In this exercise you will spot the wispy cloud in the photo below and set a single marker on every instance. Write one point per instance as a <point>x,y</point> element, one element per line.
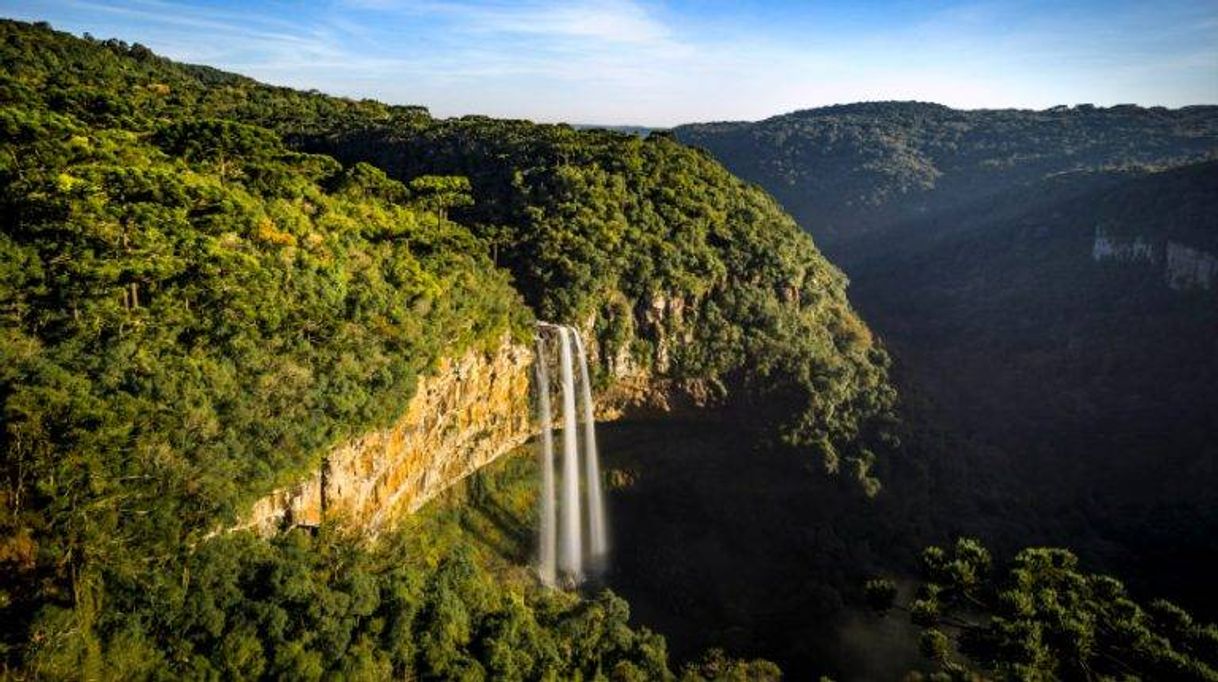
<point>609,21</point>
<point>655,62</point>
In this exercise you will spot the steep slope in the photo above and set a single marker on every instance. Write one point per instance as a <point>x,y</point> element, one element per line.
<point>192,314</point>
<point>669,256</point>
<point>1064,331</point>
<point>1050,300</point>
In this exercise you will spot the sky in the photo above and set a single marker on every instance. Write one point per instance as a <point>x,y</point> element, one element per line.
<point>660,63</point>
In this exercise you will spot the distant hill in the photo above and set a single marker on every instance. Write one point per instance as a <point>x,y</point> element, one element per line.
<point>854,168</point>
<point>641,131</point>
<point>1070,337</point>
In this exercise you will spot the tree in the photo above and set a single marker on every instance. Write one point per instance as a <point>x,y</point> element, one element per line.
<point>441,193</point>
<point>1044,618</point>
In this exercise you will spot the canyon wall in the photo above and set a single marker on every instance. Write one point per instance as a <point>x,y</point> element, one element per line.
<point>1184,267</point>
<point>464,415</point>
<point>1189,268</point>
<point>467,413</point>
<point>640,384</point>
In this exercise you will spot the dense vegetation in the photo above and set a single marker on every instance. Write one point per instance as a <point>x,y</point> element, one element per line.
<point>711,560</point>
<point>681,270</point>
<point>192,313</point>
<point>1057,399</point>
<point>196,309</point>
<point>446,596</point>
<point>593,225</point>
<point>765,560</point>
<point>850,169</point>
<point>1045,619</point>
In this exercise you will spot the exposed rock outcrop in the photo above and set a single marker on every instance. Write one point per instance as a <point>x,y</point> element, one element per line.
<point>470,411</point>
<point>641,382</point>
<point>1189,268</point>
<point>1128,250</point>
<point>463,416</point>
<point>1184,267</point>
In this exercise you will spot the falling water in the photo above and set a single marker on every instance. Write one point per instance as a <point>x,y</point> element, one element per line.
<point>547,566</point>
<point>563,554</point>
<point>570,549</point>
<point>598,540</point>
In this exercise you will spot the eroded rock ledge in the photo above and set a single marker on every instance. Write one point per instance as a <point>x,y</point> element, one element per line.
<point>463,416</point>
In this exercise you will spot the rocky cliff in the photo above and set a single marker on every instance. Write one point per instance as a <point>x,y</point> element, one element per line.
<point>470,411</point>
<point>1185,268</point>
<point>461,418</point>
<point>1189,268</point>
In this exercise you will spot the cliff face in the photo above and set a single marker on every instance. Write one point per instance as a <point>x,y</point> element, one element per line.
<point>461,418</point>
<point>470,411</point>
<point>640,382</point>
<point>1185,268</point>
<point>1129,250</point>
<point>1189,268</point>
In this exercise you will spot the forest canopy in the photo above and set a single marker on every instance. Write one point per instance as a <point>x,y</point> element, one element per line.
<point>197,305</point>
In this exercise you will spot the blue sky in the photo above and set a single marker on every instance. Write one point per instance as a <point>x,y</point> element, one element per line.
<point>661,63</point>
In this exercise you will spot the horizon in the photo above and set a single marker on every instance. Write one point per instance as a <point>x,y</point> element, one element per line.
<point>661,64</point>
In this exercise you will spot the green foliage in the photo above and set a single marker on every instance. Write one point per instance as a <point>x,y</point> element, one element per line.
<point>192,314</point>
<point>698,276</point>
<point>1080,396</point>
<point>442,192</point>
<point>1046,619</point>
<point>1060,398</point>
<point>717,667</point>
<point>426,602</point>
<point>195,311</point>
<point>688,273</point>
<point>849,169</point>
<point>934,645</point>
<point>880,593</point>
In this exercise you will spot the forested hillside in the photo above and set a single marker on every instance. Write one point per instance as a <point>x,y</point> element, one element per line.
<point>196,308</point>
<point>1046,282</point>
<point>849,169</point>
<point>193,312</point>
<point>685,273</point>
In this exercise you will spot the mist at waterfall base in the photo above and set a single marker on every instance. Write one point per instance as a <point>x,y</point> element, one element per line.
<point>563,557</point>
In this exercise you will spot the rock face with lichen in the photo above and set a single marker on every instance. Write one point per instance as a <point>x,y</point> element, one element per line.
<point>463,416</point>
<point>641,384</point>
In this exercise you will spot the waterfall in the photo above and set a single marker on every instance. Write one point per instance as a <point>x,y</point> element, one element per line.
<point>547,566</point>
<point>598,540</point>
<point>570,546</point>
<point>563,554</point>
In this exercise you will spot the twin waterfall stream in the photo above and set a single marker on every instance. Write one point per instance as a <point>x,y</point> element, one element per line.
<point>567,518</point>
